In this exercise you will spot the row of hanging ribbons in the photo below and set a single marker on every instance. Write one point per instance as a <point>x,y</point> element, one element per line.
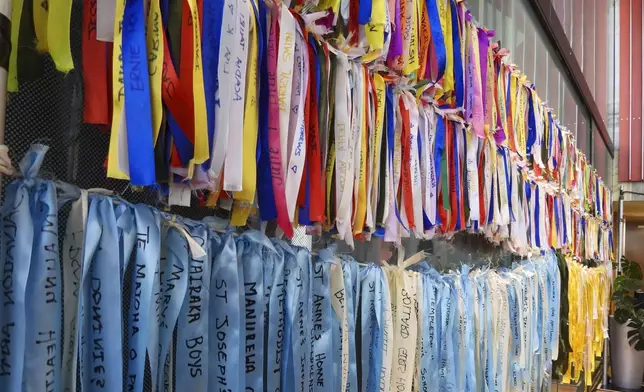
<point>130,288</point>
<point>378,117</point>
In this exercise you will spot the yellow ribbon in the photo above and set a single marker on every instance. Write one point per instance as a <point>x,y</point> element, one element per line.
<point>201,152</point>
<point>58,36</point>
<point>379,84</point>
<point>16,15</point>
<point>412,63</point>
<point>41,13</point>
<point>519,117</point>
<point>446,27</point>
<point>330,168</point>
<point>501,102</point>
<point>361,202</point>
<point>243,199</point>
<point>118,97</point>
<point>375,30</point>
<point>154,41</point>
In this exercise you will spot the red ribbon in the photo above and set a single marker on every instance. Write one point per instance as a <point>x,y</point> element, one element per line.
<point>96,97</point>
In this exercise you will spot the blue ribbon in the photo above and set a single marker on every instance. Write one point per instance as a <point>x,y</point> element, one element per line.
<point>266,202</point>
<point>468,301</point>
<point>459,84</point>
<point>291,293</point>
<point>192,362</point>
<point>437,37</point>
<point>364,12</point>
<point>301,337</point>
<point>101,349</point>
<point>439,148</point>
<point>350,273</point>
<point>446,373</point>
<point>146,261</point>
<point>323,356</point>
<point>225,318</point>
<point>173,287</point>
<point>368,328</point>
<point>532,126</point>
<point>43,292</point>
<point>251,247</point>
<point>126,233</point>
<point>276,325</point>
<point>138,112</point>
<point>210,43</point>
<point>515,337</point>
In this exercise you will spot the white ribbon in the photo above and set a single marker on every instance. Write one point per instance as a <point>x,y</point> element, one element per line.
<point>405,331</point>
<point>338,300</point>
<point>225,76</point>
<point>416,182</point>
<point>343,147</point>
<point>297,138</point>
<point>105,14</point>
<point>285,66</point>
<point>234,163</point>
<point>373,163</point>
<point>388,331</point>
<point>471,159</point>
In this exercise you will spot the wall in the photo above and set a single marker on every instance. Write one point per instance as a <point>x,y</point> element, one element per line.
<point>634,248</point>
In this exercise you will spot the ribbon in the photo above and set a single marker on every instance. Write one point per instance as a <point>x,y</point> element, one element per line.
<point>173,282</point>
<point>344,145</point>
<point>101,321</point>
<point>117,163</point>
<point>58,38</point>
<point>155,49</point>
<point>72,257</point>
<point>137,89</point>
<point>193,326</point>
<point>296,135</point>
<point>233,168</point>
<point>276,320</point>
<point>371,334</point>
<point>145,264</point>
<point>251,247</point>
<point>40,12</point>
<point>288,297</point>
<point>249,158</point>
<point>267,205</point>
<point>225,315</point>
<point>95,105</point>
<point>350,273</point>
<point>322,353</point>
<point>301,336</point>
<point>274,152</point>
<point>43,293</point>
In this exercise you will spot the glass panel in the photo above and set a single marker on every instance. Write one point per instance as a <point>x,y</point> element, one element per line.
<point>588,44</point>
<point>602,59</point>
<point>600,155</point>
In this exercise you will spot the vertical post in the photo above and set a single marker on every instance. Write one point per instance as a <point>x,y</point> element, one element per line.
<point>622,231</point>
<point>620,251</point>
<point>5,51</point>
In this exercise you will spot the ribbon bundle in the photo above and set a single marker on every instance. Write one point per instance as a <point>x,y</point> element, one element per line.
<point>584,317</point>
<point>368,118</point>
<point>203,309</point>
